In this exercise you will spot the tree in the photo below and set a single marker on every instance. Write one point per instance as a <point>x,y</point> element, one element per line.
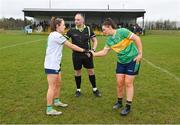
<point>13,24</point>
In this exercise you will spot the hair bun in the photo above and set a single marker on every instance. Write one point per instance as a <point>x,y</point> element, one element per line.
<point>53,18</point>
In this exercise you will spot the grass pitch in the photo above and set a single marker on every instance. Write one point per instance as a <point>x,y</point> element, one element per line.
<point>23,84</point>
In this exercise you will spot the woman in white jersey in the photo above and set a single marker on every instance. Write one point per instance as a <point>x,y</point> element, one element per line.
<point>52,64</point>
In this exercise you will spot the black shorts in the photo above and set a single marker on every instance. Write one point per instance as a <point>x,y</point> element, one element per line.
<point>80,59</point>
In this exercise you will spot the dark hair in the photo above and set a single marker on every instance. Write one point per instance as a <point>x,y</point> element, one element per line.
<point>109,22</point>
<point>54,22</point>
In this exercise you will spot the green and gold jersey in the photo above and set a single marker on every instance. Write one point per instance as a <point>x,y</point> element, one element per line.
<point>122,44</point>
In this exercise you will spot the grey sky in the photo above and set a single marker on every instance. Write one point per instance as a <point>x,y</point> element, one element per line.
<point>155,9</point>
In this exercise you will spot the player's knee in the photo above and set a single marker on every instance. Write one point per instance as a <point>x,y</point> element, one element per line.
<point>120,84</point>
<point>128,84</point>
<point>57,85</point>
<point>77,72</point>
<point>91,71</point>
<point>51,87</point>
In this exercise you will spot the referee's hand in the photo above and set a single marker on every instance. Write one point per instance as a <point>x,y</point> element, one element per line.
<point>92,52</point>
<point>88,53</point>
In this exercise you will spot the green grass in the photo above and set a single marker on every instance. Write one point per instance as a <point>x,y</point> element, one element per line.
<point>23,84</point>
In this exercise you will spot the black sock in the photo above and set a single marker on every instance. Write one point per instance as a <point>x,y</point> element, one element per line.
<point>78,81</point>
<point>120,100</point>
<point>128,104</point>
<point>92,79</point>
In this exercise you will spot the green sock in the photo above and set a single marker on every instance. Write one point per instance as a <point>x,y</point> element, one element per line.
<point>49,108</point>
<point>56,100</point>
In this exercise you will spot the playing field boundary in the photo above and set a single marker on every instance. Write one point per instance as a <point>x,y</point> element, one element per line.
<point>24,43</point>
<point>161,69</point>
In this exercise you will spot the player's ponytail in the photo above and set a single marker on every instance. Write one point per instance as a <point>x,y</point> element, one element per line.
<point>54,22</point>
<point>110,22</point>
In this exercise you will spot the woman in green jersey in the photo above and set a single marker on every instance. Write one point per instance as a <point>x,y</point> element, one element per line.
<point>128,48</point>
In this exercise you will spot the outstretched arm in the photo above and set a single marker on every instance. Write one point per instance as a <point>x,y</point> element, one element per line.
<point>73,47</point>
<point>103,52</point>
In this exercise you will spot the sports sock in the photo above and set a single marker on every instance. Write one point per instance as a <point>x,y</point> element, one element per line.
<point>56,100</point>
<point>78,81</point>
<point>94,89</point>
<point>120,100</point>
<point>92,79</point>
<point>79,90</point>
<point>128,104</point>
<point>49,108</point>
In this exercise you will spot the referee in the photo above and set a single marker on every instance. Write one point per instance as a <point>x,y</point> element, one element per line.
<point>81,36</point>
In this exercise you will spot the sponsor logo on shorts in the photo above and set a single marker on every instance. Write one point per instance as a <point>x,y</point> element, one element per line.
<point>130,70</point>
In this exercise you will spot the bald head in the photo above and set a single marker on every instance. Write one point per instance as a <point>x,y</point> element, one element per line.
<point>79,20</point>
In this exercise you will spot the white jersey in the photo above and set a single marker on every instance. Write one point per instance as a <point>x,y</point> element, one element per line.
<point>54,51</point>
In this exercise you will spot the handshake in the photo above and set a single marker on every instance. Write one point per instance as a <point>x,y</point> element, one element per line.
<point>88,53</point>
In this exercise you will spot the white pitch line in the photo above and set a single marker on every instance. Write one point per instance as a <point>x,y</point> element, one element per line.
<point>24,43</point>
<point>161,69</point>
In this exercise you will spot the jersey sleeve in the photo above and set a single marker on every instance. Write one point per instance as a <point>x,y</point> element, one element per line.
<point>125,33</point>
<point>68,35</point>
<point>60,39</point>
<point>92,34</point>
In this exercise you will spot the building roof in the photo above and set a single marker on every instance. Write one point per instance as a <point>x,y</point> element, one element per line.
<point>53,11</point>
<point>83,10</point>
